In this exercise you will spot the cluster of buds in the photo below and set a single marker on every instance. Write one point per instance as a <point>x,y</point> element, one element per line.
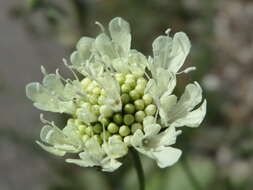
<point>123,100</point>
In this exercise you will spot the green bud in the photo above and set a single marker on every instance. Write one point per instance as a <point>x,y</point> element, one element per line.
<point>129,108</point>
<point>117,118</point>
<point>130,77</point>
<point>140,89</point>
<point>120,78</point>
<point>78,122</point>
<point>130,82</point>
<point>85,138</point>
<point>97,128</point>
<point>98,138</point>
<point>95,109</point>
<point>128,119</point>
<point>147,98</point>
<point>134,94</point>
<point>105,135</point>
<point>150,109</point>
<point>125,98</point>
<point>139,116</point>
<point>112,128</point>
<point>125,88</point>
<point>81,128</point>
<point>139,104</point>
<point>96,91</point>
<point>104,121</point>
<point>106,111</point>
<point>102,92</point>
<point>124,130</point>
<point>141,81</point>
<point>135,127</point>
<point>71,122</point>
<point>88,130</point>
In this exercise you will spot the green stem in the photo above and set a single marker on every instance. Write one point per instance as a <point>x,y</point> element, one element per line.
<point>190,175</point>
<point>139,168</point>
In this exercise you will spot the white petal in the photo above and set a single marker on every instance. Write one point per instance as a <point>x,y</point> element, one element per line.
<point>193,118</point>
<point>81,162</point>
<point>51,150</point>
<point>110,165</point>
<point>120,33</point>
<point>104,45</point>
<point>115,148</point>
<point>167,102</point>
<point>53,83</point>
<point>166,156</point>
<point>136,139</point>
<point>180,49</point>
<point>84,47</point>
<point>151,129</point>
<point>167,137</point>
<point>190,98</point>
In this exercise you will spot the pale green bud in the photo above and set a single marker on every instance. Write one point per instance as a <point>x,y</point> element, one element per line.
<point>117,118</point>
<point>125,88</point>
<point>106,111</point>
<point>98,138</point>
<point>129,108</point>
<point>130,82</point>
<point>117,137</point>
<point>150,109</point>
<point>124,130</point>
<point>105,135</point>
<point>86,82</point>
<point>97,128</point>
<point>139,104</point>
<point>113,128</point>
<point>134,94</point>
<point>125,98</point>
<point>81,128</point>
<point>135,127</point>
<point>139,116</point>
<point>104,121</point>
<point>128,119</point>
<point>141,81</point>
<point>120,78</point>
<point>88,130</point>
<point>85,137</point>
<point>147,98</point>
<point>95,109</point>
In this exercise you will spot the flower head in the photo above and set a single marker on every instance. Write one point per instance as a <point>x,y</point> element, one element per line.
<point>123,100</point>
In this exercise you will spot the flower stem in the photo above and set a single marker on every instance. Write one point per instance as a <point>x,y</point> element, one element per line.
<point>139,168</point>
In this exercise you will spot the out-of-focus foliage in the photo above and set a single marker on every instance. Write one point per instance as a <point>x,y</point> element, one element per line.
<point>220,154</point>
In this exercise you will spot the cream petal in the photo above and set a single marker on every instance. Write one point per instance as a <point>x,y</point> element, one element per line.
<point>110,165</point>
<point>193,118</point>
<point>151,129</point>
<point>84,47</point>
<point>51,149</point>
<point>120,34</point>
<point>136,139</point>
<point>115,148</point>
<point>105,47</point>
<point>166,156</point>
<point>81,162</point>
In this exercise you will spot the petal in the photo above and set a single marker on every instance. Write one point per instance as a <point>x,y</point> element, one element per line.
<point>120,34</point>
<point>84,47</point>
<point>85,114</point>
<point>166,156</point>
<point>94,149</point>
<point>151,129</point>
<point>193,118</point>
<point>110,165</point>
<point>136,139</point>
<point>167,137</point>
<point>190,98</point>
<point>53,83</point>
<point>115,148</point>
<point>180,49</point>
<point>105,47</point>
<point>52,135</point>
<point>167,102</point>
<point>81,162</point>
<point>51,150</point>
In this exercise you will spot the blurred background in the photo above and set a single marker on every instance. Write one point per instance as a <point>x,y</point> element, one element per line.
<point>218,155</point>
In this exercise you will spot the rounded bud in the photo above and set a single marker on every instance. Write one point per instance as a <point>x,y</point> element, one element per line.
<point>150,109</point>
<point>139,116</point>
<point>112,128</point>
<point>125,88</point>
<point>97,128</point>
<point>147,98</point>
<point>124,130</point>
<point>117,137</point>
<point>81,129</point>
<point>117,118</point>
<point>120,78</point>
<point>125,98</point>
<point>85,138</point>
<point>139,104</point>
<point>130,82</point>
<point>128,119</point>
<point>129,108</point>
<point>105,135</point>
<point>135,127</point>
<point>86,82</point>
<point>88,130</point>
<point>106,111</point>
<point>134,94</point>
<point>104,121</point>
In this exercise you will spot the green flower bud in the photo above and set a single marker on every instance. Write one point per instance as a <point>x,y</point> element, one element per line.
<point>106,111</point>
<point>85,138</point>
<point>135,127</point>
<point>78,122</point>
<point>130,77</point>
<point>147,98</point>
<point>139,104</point>
<point>130,82</point>
<point>112,128</point>
<point>129,108</point>
<point>95,109</point>
<point>81,129</point>
<point>88,130</point>
<point>96,91</point>
<point>98,138</point>
<point>140,89</point>
<point>141,81</point>
<point>134,95</point>
<point>150,109</point>
<point>120,78</point>
<point>71,122</point>
<point>125,98</point>
<point>105,135</point>
<point>117,118</point>
<point>97,128</point>
<point>125,88</point>
<point>104,121</point>
<point>124,130</point>
<point>139,116</point>
<point>128,119</point>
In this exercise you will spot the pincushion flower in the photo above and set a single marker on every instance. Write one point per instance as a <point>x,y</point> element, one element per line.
<point>122,100</point>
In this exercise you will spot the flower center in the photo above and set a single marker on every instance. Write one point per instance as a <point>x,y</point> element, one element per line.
<point>104,122</point>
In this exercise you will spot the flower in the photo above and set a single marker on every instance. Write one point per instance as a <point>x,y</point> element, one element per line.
<point>122,100</point>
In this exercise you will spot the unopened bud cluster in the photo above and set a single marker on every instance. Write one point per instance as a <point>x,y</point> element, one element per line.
<point>136,105</point>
